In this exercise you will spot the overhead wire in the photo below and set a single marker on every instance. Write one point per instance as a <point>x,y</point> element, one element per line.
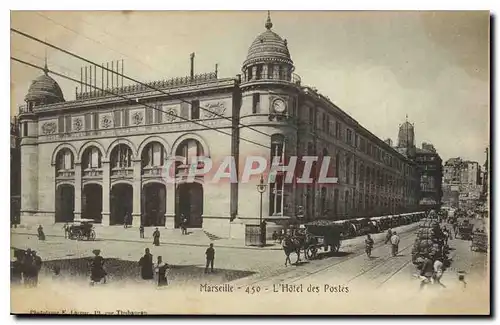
<point>121,75</point>
<point>133,101</point>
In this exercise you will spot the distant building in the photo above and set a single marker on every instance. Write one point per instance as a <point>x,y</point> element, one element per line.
<point>462,177</point>
<point>430,165</point>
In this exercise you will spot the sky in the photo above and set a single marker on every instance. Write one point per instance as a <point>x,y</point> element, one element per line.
<point>376,66</point>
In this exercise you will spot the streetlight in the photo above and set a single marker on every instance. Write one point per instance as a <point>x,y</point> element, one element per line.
<point>261,188</point>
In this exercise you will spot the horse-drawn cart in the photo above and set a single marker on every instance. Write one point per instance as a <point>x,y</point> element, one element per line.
<point>82,229</point>
<point>322,235</point>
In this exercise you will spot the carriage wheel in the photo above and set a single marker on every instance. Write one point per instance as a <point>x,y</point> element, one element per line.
<point>311,252</point>
<point>335,247</point>
<point>92,235</point>
<point>79,235</point>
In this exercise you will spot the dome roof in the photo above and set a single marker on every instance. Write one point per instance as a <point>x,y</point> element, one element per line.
<point>268,46</point>
<point>45,90</point>
<point>406,126</point>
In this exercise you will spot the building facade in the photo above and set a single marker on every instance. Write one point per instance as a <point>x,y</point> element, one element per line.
<point>102,156</point>
<point>462,177</point>
<point>15,172</point>
<point>430,166</point>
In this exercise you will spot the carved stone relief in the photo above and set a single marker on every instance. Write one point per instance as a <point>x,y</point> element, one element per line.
<point>137,118</point>
<point>214,110</point>
<point>106,122</point>
<point>49,128</point>
<point>78,124</point>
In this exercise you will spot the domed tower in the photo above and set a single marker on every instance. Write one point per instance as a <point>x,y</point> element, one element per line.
<point>268,57</point>
<point>269,102</point>
<point>43,91</point>
<point>406,137</point>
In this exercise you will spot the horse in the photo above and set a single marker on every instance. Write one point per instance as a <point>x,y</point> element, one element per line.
<point>291,245</point>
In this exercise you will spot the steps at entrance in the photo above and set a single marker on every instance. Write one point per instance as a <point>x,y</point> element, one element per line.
<point>211,236</point>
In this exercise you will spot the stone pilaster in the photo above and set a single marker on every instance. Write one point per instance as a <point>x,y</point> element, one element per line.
<point>136,195</point>
<point>106,188</point>
<point>170,210</point>
<point>78,190</point>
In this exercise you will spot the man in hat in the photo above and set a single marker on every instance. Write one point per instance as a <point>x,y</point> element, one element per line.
<point>41,234</point>
<point>97,272</point>
<point>395,243</point>
<point>156,237</point>
<point>141,231</point>
<point>210,254</point>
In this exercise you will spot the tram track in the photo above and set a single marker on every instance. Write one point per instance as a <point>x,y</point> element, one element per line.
<point>355,254</point>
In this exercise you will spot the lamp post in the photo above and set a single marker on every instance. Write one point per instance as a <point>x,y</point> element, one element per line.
<point>261,188</point>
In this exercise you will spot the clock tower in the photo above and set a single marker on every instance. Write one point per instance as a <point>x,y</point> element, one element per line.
<point>269,101</point>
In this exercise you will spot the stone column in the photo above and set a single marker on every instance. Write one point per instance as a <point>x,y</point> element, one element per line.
<point>106,190</point>
<point>136,195</point>
<point>78,190</point>
<point>170,211</point>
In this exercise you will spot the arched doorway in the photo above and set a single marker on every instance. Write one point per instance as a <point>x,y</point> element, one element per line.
<point>189,202</point>
<point>65,203</point>
<point>121,203</point>
<point>154,204</point>
<point>92,202</point>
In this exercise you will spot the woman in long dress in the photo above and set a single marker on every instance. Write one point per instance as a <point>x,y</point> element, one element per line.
<point>161,272</point>
<point>146,264</point>
<point>97,272</point>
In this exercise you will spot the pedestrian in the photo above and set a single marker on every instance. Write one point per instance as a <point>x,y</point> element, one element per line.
<point>97,272</point>
<point>156,237</point>
<point>184,224</point>
<point>427,272</point>
<point>395,243</point>
<point>141,231</point>
<point>66,230</point>
<point>161,272</point>
<point>388,236</point>
<point>16,268</point>
<point>368,245</point>
<point>146,264</point>
<point>210,254</point>
<point>37,266</point>
<point>28,268</point>
<point>41,234</point>
<point>438,272</point>
<point>125,220</point>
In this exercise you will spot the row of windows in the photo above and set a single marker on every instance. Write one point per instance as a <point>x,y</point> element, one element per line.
<point>344,133</point>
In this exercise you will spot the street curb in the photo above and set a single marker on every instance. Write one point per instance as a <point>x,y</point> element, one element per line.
<point>165,243</point>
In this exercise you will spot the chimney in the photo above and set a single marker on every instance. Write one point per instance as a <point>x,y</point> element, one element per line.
<point>192,66</point>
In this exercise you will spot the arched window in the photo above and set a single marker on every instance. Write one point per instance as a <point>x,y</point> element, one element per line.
<point>91,158</point>
<point>121,157</point>
<point>153,155</point>
<point>65,160</point>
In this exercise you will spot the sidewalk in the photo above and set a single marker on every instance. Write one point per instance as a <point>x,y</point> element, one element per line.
<point>196,237</point>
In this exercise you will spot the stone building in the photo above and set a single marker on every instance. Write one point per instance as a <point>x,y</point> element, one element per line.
<point>100,156</point>
<point>464,177</point>
<point>430,166</point>
<point>15,172</point>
